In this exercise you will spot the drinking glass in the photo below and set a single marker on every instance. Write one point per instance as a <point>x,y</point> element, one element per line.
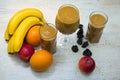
<point>48,35</point>
<point>97,22</point>
<point>67,21</point>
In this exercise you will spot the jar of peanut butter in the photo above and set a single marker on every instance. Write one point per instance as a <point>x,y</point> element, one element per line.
<point>48,37</point>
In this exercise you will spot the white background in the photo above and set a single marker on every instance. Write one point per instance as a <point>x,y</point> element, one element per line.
<point>106,53</point>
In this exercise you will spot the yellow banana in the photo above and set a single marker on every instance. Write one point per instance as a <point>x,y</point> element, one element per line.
<point>10,45</point>
<point>6,35</point>
<point>18,17</point>
<point>22,29</point>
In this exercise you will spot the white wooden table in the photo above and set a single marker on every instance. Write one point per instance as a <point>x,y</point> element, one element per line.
<point>106,53</point>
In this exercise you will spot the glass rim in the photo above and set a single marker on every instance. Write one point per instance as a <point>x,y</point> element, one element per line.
<point>68,5</point>
<point>53,26</point>
<point>71,5</point>
<point>101,13</point>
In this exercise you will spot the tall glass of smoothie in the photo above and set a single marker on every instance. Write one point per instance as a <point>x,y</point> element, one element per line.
<point>67,20</point>
<point>48,34</point>
<point>97,22</point>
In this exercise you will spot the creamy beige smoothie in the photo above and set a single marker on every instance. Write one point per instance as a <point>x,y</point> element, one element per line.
<point>67,19</point>
<point>95,27</point>
<point>48,37</point>
<point>97,20</point>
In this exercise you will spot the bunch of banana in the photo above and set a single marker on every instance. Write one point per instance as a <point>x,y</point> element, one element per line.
<point>18,26</point>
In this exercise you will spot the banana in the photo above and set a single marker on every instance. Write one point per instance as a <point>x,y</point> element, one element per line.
<point>22,29</point>
<point>19,17</point>
<point>6,35</point>
<point>10,45</point>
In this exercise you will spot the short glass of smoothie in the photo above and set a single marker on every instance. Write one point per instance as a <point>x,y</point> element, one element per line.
<point>67,20</point>
<point>97,22</point>
<point>48,35</point>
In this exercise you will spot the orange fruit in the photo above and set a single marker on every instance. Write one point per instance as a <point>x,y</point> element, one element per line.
<point>33,36</point>
<point>41,60</point>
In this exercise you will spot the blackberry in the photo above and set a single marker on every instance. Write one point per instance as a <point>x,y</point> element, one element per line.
<point>80,32</point>
<point>79,41</point>
<point>85,44</point>
<point>74,48</point>
<point>80,36</point>
<point>87,52</point>
<point>81,26</point>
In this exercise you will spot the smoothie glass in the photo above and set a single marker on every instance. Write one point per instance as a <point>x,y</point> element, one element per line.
<point>97,22</point>
<point>48,35</point>
<point>67,21</point>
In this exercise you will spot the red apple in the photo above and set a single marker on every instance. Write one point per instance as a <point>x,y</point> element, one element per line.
<point>86,64</point>
<point>26,52</point>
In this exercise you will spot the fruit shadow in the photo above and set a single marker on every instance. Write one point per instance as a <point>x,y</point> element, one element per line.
<point>44,74</point>
<point>17,61</point>
<point>87,74</point>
